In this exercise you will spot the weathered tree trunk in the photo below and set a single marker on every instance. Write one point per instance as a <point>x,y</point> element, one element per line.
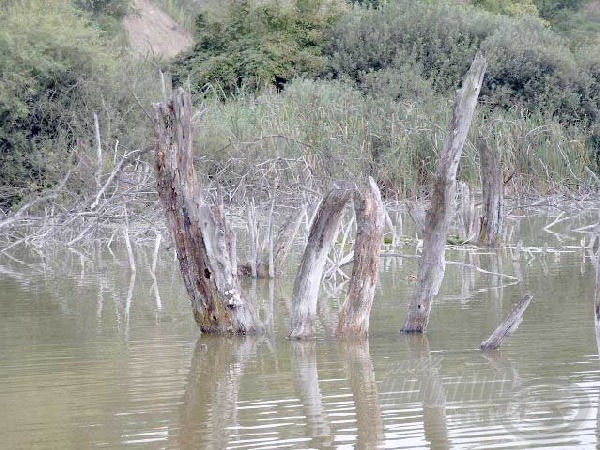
<point>205,244</point>
<point>370,225</point>
<point>492,186</point>
<point>509,326</point>
<point>308,280</point>
<point>437,221</point>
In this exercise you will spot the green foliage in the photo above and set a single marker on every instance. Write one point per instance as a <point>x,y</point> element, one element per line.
<point>44,53</point>
<point>440,38</point>
<point>343,134</point>
<point>257,45</point>
<point>107,13</point>
<point>509,7</point>
<point>57,70</point>
<point>530,66</point>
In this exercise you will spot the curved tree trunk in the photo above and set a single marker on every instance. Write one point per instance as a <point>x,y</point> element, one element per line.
<point>437,221</point>
<point>370,224</point>
<point>205,244</point>
<point>308,280</point>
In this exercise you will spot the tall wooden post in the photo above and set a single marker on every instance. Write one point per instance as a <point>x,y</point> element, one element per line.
<point>204,242</point>
<point>437,221</point>
<point>492,186</point>
<point>370,225</point>
<point>308,280</point>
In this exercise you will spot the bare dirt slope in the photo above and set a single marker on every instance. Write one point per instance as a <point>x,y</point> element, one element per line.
<point>154,33</point>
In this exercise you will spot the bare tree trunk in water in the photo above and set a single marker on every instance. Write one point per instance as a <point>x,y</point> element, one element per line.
<point>205,244</point>
<point>370,225</point>
<point>308,280</point>
<point>437,222</point>
<point>492,186</point>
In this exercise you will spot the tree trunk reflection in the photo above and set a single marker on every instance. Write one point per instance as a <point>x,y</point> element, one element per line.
<point>209,407</point>
<point>306,384</point>
<point>431,388</point>
<point>359,369</point>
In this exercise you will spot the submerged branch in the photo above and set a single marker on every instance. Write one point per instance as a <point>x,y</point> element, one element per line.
<point>509,326</point>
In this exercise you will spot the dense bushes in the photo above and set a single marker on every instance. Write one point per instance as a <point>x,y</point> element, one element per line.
<point>58,69</point>
<point>343,134</point>
<point>44,55</point>
<point>256,45</point>
<point>530,67</point>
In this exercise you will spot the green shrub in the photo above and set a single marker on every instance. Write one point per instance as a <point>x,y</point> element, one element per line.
<point>57,70</point>
<point>108,14</point>
<point>257,45</point>
<point>45,51</point>
<point>529,66</point>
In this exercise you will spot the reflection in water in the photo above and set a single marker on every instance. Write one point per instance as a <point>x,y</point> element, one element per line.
<point>306,384</point>
<point>432,392</point>
<point>209,413</point>
<point>88,360</point>
<point>354,355</point>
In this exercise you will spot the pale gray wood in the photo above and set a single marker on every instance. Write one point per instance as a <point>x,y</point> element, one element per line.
<point>437,222</point>
<point>509,326</point>
<point>308,280</point>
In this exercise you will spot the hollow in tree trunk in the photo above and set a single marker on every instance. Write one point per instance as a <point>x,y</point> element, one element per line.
<point>308,280</point>
<point>204,242</point>
<point>437,221</point>
<point>370,224</point>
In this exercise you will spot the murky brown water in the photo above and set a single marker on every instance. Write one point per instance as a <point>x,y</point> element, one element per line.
<point>91,359</point>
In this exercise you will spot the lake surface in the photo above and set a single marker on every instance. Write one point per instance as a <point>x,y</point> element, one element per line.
<point>94,357</point>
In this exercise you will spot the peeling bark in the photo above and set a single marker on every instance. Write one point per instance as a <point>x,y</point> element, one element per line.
<point>205,244</point>
<point>308,280</point>
<point>437,221</point>
<point>370,225</point>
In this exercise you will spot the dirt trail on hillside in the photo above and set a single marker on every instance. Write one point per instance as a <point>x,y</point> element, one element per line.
<point>154,33</point>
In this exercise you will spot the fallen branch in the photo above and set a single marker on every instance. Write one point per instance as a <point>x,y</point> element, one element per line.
<point>453,263</point>
<point>509,326</point>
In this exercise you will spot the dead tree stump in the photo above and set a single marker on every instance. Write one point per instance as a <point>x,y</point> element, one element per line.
<point>206,247</point>
<point>492,186</point>
<point>308,280</point>
<point>437,221</point>
<point>370,225</point>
